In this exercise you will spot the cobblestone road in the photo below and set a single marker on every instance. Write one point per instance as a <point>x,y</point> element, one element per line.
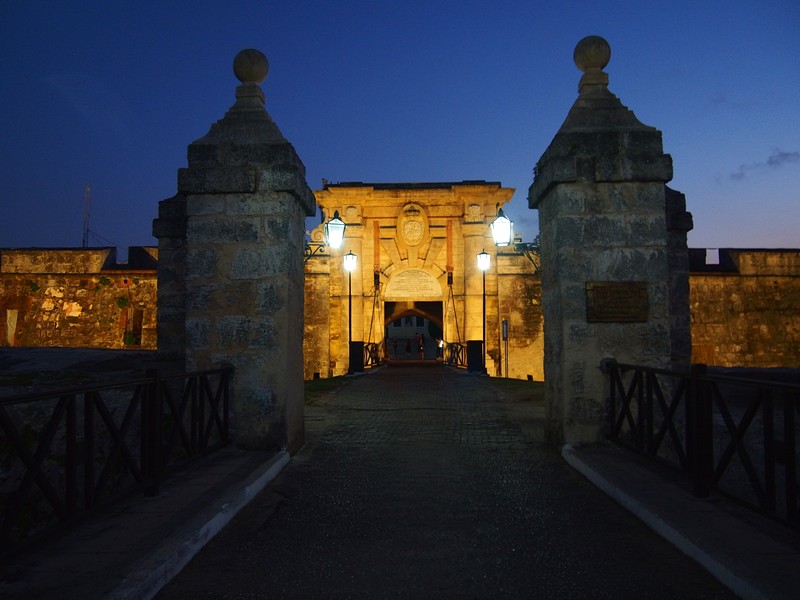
<point>428,483</point>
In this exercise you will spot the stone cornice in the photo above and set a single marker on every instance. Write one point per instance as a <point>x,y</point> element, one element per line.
<point>601,156</point>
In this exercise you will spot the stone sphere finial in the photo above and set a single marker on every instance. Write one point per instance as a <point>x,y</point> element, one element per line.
<point>250,66</point>
<point>592,53</point>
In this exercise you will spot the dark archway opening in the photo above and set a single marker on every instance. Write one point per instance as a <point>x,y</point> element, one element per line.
<point>412,331</point>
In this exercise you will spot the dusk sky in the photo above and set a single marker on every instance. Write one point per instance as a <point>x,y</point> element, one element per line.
<point>111,93</point>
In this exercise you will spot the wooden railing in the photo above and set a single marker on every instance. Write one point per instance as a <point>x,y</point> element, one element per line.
<point>455,354</point>
<point>733,435</point>
<point>67,452</point>
<point>374,354</point>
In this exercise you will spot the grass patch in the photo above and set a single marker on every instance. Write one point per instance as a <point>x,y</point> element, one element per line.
<point>519,389</point>
<point>317,390</point>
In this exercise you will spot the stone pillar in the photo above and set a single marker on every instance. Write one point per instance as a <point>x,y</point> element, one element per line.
<point>170,229</point>
<point>245,200</point>
<point>606,280</point>
<point>679,223</point>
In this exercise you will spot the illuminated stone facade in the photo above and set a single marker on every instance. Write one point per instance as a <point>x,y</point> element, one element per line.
<point>745,306</point>
<point>78,298</point>
<point>417,247</point>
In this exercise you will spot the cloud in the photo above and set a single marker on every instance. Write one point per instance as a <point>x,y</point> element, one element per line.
<point>715,101</point>
<point>777,159</point>
<point>721,101</point>
<point>780,157</point>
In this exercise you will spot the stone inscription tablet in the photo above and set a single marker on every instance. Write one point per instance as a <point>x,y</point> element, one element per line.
<point>616,302</point>
<point>412,284</point>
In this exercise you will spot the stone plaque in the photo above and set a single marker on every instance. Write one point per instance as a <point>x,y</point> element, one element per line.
<point>616,302</point>
<point>412,284</point>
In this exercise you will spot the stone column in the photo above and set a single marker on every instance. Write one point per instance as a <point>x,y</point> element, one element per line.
<point>606,279</point>
<point>474,243</point>
<point>359,314</point>
<point>493,354</point>
<point>245,201</point>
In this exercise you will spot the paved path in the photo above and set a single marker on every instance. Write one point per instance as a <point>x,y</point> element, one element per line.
<point>427,483</point>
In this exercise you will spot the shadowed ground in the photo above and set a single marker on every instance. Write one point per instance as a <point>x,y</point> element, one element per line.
<point>24,370</point>
<point>431,483</point>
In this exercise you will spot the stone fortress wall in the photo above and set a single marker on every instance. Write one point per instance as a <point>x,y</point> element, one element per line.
<point>78,298</point>
<point>745,306</point>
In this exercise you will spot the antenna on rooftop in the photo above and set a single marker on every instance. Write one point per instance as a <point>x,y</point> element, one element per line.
<point>87,201</point>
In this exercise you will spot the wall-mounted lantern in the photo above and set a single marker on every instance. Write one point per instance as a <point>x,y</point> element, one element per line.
<point>334,231</point>
<point>333,237</point>
<point>502,229</point>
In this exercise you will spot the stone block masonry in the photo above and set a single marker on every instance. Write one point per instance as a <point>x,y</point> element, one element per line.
<point>237,247</point>
<point>602,201</point>
<point>78,298</point>
<point>745,308</point>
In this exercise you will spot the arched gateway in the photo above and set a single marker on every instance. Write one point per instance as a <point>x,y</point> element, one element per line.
<point>416,246</point>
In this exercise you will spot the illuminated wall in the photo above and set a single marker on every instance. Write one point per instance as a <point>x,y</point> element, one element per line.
<point>745,306</point>
<point>78,298</point>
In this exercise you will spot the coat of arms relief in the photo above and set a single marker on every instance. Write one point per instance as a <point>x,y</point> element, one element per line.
<point>412,225</point>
